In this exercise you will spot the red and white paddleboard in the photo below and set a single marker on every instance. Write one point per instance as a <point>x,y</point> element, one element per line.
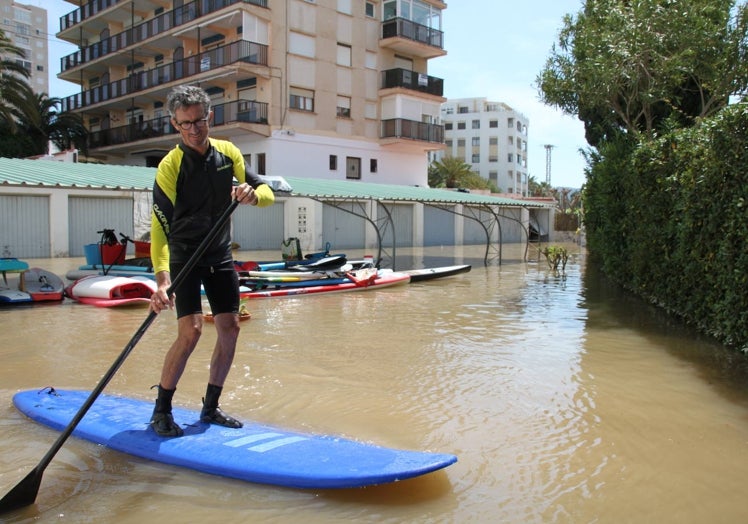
<point>112,291</point>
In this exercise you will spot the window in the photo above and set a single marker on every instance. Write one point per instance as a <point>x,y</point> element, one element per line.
<point>448,126</point>
<point>462,109</point>
<point>344,107</point>
<point>369,9</point>
<point>302,99</point>
<point>493,123</point>
<point>353,168</point>
<point>476,158</point>
<point>493,141</point>
<point>260,164</point>
<point>390,10</point>
<point>373,165</point>
<point>303,45</point>
<point>476,141</point>
<point>460,125</point>
<point>344,55</point>
<point>509,157</point>
<point>333,163</point>
<point>416,11</point>
<point>344,6</point>
<point>510,122</point>
<point>476,124</point>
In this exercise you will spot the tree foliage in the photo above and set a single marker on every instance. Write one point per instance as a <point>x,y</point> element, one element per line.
<point>12,79</point>
<point>636,67</point>
<point>29,120</point>
<point>452,172</point>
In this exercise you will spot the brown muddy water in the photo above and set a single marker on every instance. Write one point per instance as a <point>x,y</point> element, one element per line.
<point>564,400</point>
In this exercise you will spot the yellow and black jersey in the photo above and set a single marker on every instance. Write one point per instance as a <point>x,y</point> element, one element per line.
<point>190,193</point>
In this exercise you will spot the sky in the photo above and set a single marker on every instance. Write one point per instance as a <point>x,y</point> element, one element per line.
<point>495,50</point>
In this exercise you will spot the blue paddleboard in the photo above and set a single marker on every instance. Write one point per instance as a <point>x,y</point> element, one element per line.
<point>255,453</point>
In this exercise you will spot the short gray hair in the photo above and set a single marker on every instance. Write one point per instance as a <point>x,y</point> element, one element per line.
<point>185,96</point>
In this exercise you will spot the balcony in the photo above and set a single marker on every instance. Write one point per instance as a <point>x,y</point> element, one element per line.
<point>411,38</point>
<point>150,28</point>
<point>238,111</point>
<point>413,130</point>
<point>85,11</point>
<point>241,51</point>
<point>393,78</point>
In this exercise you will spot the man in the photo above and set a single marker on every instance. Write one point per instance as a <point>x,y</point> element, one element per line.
<point>194,186</point>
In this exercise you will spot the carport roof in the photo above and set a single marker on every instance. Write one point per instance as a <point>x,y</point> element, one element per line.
<point>49,173</point>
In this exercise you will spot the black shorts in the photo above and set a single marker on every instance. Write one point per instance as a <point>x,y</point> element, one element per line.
<point>221,285</point>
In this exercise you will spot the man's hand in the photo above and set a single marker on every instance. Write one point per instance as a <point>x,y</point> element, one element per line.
<point>244,194</point>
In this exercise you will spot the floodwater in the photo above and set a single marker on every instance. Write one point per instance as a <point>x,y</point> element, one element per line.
<point>564,400</point>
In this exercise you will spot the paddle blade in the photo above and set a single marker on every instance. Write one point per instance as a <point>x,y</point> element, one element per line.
<point>24,494</point>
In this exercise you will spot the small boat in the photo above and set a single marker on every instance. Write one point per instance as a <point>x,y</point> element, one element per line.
<point>429,273</point>
<point>42,285</point>
<point>358,282</point>
<point>316,264</point>
<point>112,291</point>
<point>244,314</point>
<point>32,285</point>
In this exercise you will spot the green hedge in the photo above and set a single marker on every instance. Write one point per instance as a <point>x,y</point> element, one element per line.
<point>668,219</point>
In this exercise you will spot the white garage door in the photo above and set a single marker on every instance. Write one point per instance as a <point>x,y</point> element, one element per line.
<point>88,215</point>
<point>25,226</point>
<point>258,228</point>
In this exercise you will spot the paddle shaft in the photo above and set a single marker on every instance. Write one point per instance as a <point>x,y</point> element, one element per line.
<point>24,493</point>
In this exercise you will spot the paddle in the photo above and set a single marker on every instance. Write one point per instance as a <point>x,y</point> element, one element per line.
<point>25,491</point>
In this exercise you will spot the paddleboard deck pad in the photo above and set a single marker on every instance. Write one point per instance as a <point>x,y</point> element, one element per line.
<point>256,453</point>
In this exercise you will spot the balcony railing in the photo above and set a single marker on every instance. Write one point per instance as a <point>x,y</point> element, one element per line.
<point>156,25</point>
<point>412,129</point>
<point>85,11</point>
<point>405,28</point>
<point>412,80</point>
<point>246,111</point>
<point>240,51</point>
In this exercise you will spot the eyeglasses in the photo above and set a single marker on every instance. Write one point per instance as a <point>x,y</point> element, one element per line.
<point>200,123</point>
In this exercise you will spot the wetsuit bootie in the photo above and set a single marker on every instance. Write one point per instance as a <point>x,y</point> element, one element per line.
<point>162,421</point>
<point>212,414</point>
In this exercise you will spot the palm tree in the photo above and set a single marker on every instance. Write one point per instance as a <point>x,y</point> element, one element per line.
<point>41,122</point>
<point>449,172</point>
<point>12,80</point>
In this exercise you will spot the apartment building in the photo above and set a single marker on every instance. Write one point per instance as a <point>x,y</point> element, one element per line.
<point>489,136</point>
<point>331,89</point>
<point>26,27</point>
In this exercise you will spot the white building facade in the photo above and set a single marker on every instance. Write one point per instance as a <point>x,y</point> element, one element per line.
<point>26,27</point>
<point>489,136</point>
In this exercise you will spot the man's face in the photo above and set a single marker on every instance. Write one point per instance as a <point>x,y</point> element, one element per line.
<point>193,126</point>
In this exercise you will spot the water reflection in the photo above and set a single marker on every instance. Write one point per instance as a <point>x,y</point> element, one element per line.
<point>564,399</point>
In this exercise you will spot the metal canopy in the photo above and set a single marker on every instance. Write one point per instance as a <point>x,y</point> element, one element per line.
<point>334,193</point>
